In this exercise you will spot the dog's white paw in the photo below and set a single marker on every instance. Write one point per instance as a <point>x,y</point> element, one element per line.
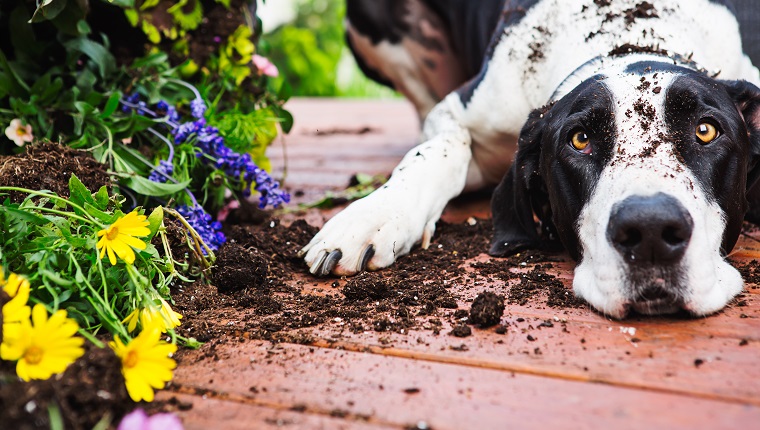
<point>369,234</point>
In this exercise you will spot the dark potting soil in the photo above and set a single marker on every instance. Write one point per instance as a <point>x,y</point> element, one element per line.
<point>90,390</point>
<point>261,289</point>
<point>48,166</point>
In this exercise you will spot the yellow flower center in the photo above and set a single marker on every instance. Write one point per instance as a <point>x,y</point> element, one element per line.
<point>131,359</point>
<point>33,355</point>
<point>21,131</point>
<point>112,233</point>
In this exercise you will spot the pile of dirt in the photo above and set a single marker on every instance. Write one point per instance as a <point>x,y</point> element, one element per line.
<point>48,166</point>
<point>262,290</point>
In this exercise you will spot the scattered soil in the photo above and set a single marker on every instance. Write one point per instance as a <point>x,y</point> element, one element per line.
<point>48,166</point>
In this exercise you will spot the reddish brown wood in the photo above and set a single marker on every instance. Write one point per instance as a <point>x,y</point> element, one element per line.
<point>215,411</point>
<point>399,391</point>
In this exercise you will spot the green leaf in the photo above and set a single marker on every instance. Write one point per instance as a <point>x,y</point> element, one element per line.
<point>147,187</point>
<point>49,9</point>
<point>16,85</point>
<point>225,3</point>
<point>132,16</point>
<point>78,193</point>
<point>184,18</point>
<point>83,28</point>
<point>56,278</point>
<point>154,221</point>
<point>286,118</point>
<point>123,3</point>
<point>111,105</point>
<point>151,250</point>
<point>98,53</point>
<point>23,215</point>
<point>105,217</point>
<point>101,198</point>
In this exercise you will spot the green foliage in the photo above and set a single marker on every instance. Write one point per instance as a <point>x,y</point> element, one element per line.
<point>52,242</point>
<point>67,77</point>
<point>364,185</point>
<point>311,54</point>
<point>69,89</point>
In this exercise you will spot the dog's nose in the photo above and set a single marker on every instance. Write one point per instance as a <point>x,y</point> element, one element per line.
<point>650,230</point>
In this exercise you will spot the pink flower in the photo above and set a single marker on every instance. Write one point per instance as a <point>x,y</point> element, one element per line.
<point>265,66</point>
<point>224,212</point>
<point>139,420</point>
<point>19,133</point>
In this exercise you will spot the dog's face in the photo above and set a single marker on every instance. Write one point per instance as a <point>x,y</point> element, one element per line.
<point>642,174</point>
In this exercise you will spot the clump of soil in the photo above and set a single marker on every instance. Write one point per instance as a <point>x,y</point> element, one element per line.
<point>364,286</point>
<point>461,330</point>
<point>48,166</point>
<point>643,10</point>
<point>486,309</point>
<point>240,268</point>
<point>89,390</point>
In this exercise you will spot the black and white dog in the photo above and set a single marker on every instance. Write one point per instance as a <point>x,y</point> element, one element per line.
<point>639,151</point>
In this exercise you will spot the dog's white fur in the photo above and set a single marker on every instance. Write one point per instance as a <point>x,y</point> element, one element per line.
<point>467,147</point>
<point>709,281</point>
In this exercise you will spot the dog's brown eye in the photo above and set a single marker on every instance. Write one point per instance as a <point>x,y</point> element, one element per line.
<point>580,140</point>
<point>706,132</point>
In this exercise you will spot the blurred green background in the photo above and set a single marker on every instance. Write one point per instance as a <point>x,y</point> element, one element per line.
<point>304,39</point>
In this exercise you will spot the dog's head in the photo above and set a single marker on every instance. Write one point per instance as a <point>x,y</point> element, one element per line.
<point>642,174</point>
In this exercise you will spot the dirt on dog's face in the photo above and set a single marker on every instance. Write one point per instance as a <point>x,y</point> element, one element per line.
<point>642,175</point>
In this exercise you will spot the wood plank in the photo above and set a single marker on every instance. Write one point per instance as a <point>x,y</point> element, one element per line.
<point>209,412</point>
<point>398,391</point>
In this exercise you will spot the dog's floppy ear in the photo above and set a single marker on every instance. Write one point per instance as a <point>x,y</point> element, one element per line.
<point>512,201</point>
<point>747,99</point>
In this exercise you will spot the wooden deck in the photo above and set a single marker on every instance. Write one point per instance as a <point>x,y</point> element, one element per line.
<point>578,371</point>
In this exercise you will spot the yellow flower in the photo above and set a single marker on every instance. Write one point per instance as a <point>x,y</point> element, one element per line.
<point>121,236</point>
<point>16,310</point>
<point>164,317</point>
<point>19,133</point>
<point>169,316</point>
<point>146,362</point>
<point>44,347</point>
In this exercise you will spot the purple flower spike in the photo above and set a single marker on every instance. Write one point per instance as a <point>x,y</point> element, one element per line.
<point>162,172</point>
<point>198,108</point>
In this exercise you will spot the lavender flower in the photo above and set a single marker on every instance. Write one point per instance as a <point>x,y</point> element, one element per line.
<point>162,172</point>
<point>132,99</point>
<point>198,108</point>
<point>165,109</point>
<point>207,229</point>
<point>211,149</point>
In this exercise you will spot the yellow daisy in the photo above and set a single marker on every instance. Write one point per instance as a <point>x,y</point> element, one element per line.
<point>120,237</point>
<point>16,310</point>
<point>43,347</point>
<point>164,317</point>
<point>146,362</point>
<point>169,316</point>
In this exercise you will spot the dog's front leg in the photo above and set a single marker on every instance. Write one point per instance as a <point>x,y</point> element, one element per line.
<point>372,232</point>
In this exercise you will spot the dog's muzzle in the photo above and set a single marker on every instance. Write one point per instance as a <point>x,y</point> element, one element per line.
<point>652,234</point>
